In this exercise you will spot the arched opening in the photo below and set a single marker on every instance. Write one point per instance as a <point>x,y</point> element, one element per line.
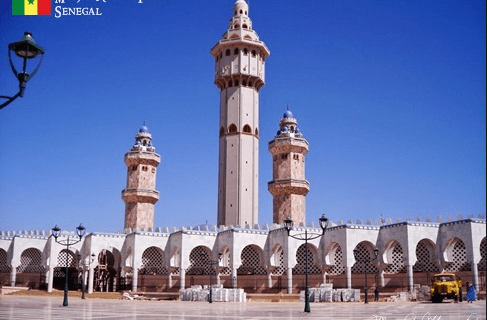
<point>105,272</point>
<point>300,266</point>
<point>245,51</point>
<point>252,258</point>
<point>30,272</point>
<point>199,259</point>
<point>334,258</point>
<point>232,128</point>
<point>364,258</point>
<point>247,129</point>
<point>235,52</point>
<point>227,52</point>
<point>455,256</point>
<point>394,256</point>
<point>244,26</point>
<point>66,258</point>
<point>4,268</point>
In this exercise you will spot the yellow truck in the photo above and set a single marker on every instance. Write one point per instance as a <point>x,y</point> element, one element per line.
<point>445,286</point>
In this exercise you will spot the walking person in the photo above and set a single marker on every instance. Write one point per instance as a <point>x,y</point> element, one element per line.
<point>471,294</point>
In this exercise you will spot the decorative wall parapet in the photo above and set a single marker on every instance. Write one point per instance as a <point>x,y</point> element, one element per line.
<point>107,235</point>
<point>473,220</point>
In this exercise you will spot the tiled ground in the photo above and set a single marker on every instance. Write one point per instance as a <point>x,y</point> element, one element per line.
<point>15,307</point>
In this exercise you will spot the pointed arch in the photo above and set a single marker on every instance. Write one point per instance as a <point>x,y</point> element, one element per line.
<point>232,129</point>
<point>199,259</point>
<point>300,267</point>
<point>455,256</point>
<point>334,258</point>
<point>252,258</point>
<point>365,252</point>
<point>30,261</point>
<point>393,256</point>
<point>481,265</point>
<point>247,129</point>
<point>425,257</point>
<point>4,267</point>
<point>153,261</point>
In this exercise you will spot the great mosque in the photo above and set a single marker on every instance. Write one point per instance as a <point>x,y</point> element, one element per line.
<point>257,258</point>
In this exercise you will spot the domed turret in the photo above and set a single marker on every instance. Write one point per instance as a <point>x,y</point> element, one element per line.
<point>144,129</point>
<point>288,114</point>
<point>240,8</point>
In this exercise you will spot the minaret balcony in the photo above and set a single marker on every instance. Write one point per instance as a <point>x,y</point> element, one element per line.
<point>142,157</point>
<point>288,144</point>
<point>140,195</point>
<point>288,186</point>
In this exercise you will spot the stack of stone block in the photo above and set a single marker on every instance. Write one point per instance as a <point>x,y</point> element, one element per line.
<point>219,294</point>
<point>326,293</point>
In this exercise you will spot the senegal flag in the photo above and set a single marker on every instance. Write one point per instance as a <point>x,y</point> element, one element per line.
<point>31,7</point>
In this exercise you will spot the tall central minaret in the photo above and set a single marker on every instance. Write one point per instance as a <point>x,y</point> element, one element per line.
<point>239,74</point>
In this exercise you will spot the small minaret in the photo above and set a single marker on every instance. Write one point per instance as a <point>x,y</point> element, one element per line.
<point>141,194</point>
<point>239,74</point>
<point>289,186</point>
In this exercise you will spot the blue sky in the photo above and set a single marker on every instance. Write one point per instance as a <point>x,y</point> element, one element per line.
<point>390,95</point>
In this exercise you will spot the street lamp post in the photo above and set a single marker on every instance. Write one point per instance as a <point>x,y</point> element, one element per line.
<point>288,225</point>
<point>25,49</point>
<point>212,263</point>
<point>83,275</point>
<point>56,231</point>
<point>366,260</point>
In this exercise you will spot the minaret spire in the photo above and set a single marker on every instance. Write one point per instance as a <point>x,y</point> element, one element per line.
<point>239,74</point>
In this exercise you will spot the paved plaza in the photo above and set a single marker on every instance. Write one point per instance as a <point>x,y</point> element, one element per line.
<point>17,307</point>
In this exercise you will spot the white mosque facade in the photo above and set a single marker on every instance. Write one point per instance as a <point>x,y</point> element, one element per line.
<point>258,258</point>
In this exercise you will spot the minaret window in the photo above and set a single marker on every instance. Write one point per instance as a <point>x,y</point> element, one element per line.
<point>244,26</point>
<point>244,82</point>
<point>284,156</point>
<point>235,51</point>
<point>232,128</point>
<point>254,53</point>
<point>237,26</point>
<point>227,53</point>
<point>247,129</point>
<point>251,83</point>
<point>230,83</point>
<point>245,51</point>
<point>236,83</point>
